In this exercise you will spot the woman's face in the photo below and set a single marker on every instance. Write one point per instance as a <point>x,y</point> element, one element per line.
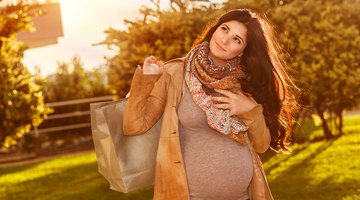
<point>228,41</point>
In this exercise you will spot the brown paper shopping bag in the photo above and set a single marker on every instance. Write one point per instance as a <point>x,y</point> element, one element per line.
<point>127,162</point>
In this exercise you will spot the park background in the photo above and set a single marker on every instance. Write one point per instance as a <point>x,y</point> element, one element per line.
<point>321,44</point>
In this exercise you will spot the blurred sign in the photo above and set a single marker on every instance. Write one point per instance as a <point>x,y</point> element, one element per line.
<point>48,27</point>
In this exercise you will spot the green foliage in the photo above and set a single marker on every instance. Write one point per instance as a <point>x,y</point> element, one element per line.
<point>323,42</point>
<point>16,17</point>
<point>72,81</point>
<point>166,35</point>
<point>21,98</point>
<point>259,6</point>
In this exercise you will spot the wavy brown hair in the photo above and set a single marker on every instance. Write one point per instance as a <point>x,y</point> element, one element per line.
<point>267,80</point>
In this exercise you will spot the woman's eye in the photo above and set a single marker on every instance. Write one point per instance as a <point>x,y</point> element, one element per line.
<point>237,40</point>
<point>224,29</point>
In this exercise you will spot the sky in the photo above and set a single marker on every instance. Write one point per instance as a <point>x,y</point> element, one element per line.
<point>84,23</point>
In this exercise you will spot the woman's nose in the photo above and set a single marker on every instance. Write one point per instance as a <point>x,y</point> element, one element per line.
<point>224,40</point>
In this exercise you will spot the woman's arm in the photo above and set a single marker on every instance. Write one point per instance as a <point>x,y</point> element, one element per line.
<point>258,131</point>
<point>146,102</point>
<point>248,111</point>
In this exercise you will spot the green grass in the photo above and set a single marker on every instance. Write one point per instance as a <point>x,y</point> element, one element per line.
<point>323,170</point>
<point>68,177</point>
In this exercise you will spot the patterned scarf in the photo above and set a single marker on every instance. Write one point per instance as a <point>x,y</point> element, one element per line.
<point>202,77</point>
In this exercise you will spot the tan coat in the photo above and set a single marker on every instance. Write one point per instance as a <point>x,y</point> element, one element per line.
<point>156,96</point>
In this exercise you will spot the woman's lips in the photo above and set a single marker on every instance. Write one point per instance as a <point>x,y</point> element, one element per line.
<point>219,46</point>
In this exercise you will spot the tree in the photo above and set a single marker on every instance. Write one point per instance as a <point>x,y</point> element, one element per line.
<point>323,40</point>
<point>21,98</point>
<point>164,34</point>
<point>259,6</point>
<point>72,81</point>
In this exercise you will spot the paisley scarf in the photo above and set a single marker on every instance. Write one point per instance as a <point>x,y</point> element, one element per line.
<point>202,76</point>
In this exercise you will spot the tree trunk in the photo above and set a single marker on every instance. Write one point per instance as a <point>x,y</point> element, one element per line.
<point>340,126</point>
<point>327,132</point>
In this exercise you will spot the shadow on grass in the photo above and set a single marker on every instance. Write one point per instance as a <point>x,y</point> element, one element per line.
<point>268,155</point>
<point>78,182</point>
<point>295,182</point>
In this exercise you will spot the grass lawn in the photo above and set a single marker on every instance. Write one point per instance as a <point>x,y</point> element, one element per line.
<point>323,170</point>
<point>67,177</point>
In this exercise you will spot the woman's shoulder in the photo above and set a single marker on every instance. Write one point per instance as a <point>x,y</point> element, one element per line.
<point>174,66</point>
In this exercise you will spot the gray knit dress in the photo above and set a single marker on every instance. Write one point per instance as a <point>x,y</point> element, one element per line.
<point>216,167</point>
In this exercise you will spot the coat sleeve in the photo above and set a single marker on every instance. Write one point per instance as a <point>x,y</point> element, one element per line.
<point>258,131</point>
<point>146,102</point>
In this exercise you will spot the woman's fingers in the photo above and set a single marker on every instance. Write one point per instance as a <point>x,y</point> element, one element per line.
<point>237,103</point>
<point>160,63</point>
<point>221,99</point>
<point>152,66</point>
<point>224,92</point>
<point>150,60</point>
<point>222,106</point>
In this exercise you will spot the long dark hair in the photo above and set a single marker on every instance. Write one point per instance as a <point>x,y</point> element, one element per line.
<point>267,80</point>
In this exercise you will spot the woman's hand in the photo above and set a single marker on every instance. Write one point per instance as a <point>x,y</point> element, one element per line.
<point>236,103</point>
<point>152,66</point>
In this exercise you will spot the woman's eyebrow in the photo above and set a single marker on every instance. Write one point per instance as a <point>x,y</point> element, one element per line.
<point>235,34</point>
